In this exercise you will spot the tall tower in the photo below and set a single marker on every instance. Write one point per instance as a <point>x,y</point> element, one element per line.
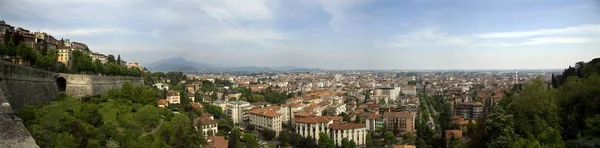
<point>516,77</point>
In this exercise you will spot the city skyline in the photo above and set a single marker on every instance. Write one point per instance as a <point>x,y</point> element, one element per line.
<point>372,34</point>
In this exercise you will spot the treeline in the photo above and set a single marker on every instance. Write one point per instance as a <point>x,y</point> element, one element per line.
<point>540,115</point>
<point>81,62</point>
<point>42,59</point>
<point>121,118</point>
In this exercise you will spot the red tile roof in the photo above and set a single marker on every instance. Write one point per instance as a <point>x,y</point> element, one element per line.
<point>313,120</point>
<point>265,112</point>
<point>456,133</point>
<point>217,142</point>
<point>405,146</point>
<point>162,102</point>
<point>345,126</point>
<point>398,114</point>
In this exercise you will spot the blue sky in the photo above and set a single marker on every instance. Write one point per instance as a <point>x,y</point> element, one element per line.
<point>330,34</point>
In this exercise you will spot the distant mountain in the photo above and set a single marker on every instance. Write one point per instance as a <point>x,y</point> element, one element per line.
<point>180,64</point>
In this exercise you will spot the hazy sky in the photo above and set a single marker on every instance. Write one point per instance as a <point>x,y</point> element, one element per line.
<point>331,34</point>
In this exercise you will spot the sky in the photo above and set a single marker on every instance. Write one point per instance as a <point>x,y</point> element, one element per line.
<point>328,34</point>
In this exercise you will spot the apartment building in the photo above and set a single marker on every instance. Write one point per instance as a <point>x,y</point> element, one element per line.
<point>237,110</point>
<point>265,119</point>
<point>312,126</point>
<point>468,110</point>
<point>350,131</point>
<point>374,122</point>
<point>173,97</point>
<point>401,122</point>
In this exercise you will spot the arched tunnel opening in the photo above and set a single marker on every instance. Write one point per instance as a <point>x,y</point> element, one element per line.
<point>62,84</point>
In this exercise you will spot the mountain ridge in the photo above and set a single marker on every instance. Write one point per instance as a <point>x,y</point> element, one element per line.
<point>184,65</point>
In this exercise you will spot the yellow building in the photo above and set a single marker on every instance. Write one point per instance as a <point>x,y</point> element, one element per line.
<point>64,56</point>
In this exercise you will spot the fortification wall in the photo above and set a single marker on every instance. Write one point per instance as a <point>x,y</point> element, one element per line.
<point>92,85</point>
<point>25,85</point>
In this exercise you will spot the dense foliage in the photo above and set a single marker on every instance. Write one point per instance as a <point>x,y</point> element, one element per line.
<point>539,115</point>
<point>123,118</point>
<point>83,63</point>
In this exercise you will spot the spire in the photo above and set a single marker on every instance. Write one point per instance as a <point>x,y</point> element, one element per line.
<point>516,77</point>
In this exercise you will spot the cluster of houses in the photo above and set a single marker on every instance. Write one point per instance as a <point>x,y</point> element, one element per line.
<point>316,111</point>
<point>65,47</point>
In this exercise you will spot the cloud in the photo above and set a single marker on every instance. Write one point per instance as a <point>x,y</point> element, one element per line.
<point>425,38</point>
<point>234,35</point>
<point>574,30</point>
<point>435,38</point>
<point>89,31</point>
<point>339,10</point>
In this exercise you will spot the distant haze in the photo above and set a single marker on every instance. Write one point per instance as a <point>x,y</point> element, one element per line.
<point>327,34</point>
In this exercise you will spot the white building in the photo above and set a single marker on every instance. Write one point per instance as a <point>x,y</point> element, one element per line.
<point>207,124</point>
<point>409,90</point>
<point>312,126</point>
<point>336,109</point>
<point>350,131</point>
<point>389,94</point>
<point>237,109</point>
<point>265,119</point>
<point>162,86</point>
<point>174,97</point>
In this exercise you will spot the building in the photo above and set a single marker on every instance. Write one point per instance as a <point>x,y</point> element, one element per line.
<point>337,109</point>
<point>163,103</point>
<point>265,119</point>
<point>4,27</point>
<point>374,122</point>
<point>133,64</point>
<point>98,56</point>
<point>400,122</point>
<point>356,132</point>
<point>405,146</point>
<point>389,94</point>
<point>468,110</point>
<point>217,142</point>
<point>312,126</point>
<point>409,90</point>
<point>162,86</point>
<point>237,110</point>
<point>80,47</point>
<point>64,56</point>
<point>207,124</point>
<point>173,97</point>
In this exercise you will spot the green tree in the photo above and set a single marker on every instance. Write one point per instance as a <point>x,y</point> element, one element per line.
<point>296,140</point>
<point>345,143</point>
<point>269,134</point>
<point>352,144</point>
<point>390,138</point>
<point>250,140</point>
<point>234,138</point>
<point>382,101</point>
<point>284,138</point>
<point>369,143</point>
<point>500,126</point>
<point>325,141</point>
<point>358,119</point>
<point>148,117</point>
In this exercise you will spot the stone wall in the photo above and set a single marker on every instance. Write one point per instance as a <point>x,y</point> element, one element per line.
<point>25,85</point>
<point>92,85</point>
